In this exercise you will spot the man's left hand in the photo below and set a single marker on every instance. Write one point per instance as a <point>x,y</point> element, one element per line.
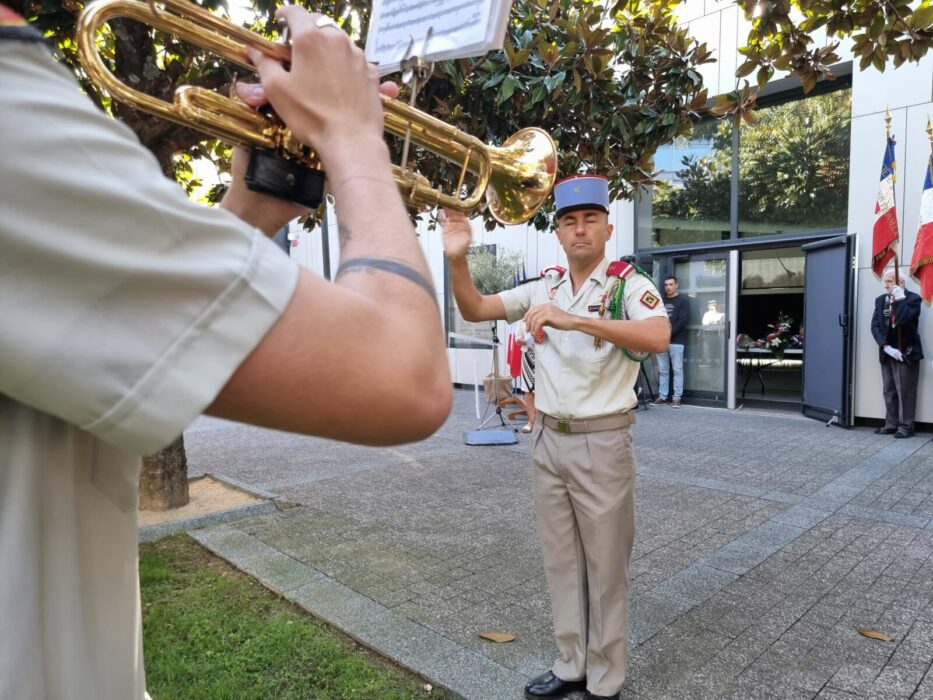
<point>543,315</point>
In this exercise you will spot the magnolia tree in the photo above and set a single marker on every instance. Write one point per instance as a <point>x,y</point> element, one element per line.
<point>610,81</point>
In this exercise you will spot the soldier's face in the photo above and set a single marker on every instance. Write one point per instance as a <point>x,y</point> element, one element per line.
<point>583,234</point>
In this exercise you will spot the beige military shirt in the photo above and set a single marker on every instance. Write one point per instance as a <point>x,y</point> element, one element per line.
<point>573,378</point>
<point>124,309</point>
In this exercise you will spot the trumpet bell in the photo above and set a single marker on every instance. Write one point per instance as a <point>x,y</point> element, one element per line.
<point>523,172</point>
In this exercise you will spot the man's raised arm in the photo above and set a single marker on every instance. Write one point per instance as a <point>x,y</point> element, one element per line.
<point>457,238</point>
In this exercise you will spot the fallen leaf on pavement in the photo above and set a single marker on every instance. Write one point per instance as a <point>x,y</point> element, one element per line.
<point>497,637</point>
<point>874,634</point>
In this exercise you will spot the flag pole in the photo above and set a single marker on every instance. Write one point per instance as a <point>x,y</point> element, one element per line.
<point>887,127</point>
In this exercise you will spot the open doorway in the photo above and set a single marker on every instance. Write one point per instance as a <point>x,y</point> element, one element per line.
<point>769,328</point>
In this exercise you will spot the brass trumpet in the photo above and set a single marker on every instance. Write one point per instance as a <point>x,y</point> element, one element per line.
<point>512,180</point>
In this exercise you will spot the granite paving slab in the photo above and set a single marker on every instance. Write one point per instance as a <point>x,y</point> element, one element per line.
<point>763,541</point>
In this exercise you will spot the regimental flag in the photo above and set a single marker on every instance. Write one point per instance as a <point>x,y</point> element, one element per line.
<point>884,234</point>
<point>921,264</point>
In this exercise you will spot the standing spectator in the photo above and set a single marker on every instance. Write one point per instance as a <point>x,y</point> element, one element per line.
<point>678,311</point>
<point>894,326</point>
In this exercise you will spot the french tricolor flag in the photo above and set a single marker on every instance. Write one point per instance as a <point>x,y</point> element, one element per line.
<point>884,234</point>
<point>921,265</point>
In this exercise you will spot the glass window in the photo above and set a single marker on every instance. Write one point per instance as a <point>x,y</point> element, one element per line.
<point>793,171</point>
<point>703,281</point>
<point>773,271</point>
<point>692,202</point>
<point>794,167</point>
<point>494,269</point>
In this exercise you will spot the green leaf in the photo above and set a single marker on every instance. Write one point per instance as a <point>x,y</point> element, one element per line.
<point>552,81</point>
<point>922,18</point>
<point>508,88</point>
<point>494,80</point>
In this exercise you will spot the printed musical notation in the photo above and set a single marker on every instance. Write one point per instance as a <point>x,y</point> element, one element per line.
<point>404,20</point>
<point>458,28</point>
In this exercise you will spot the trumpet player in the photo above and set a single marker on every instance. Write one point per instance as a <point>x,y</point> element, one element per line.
<point>126,311</point>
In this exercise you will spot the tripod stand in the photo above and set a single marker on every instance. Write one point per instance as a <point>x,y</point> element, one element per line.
<point>643,389</point>
<point>503,421</point>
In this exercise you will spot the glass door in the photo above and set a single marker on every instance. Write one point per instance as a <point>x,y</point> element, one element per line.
<point>704,280</point>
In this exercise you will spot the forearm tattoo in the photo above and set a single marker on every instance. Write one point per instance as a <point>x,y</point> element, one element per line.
<point>371,265</point>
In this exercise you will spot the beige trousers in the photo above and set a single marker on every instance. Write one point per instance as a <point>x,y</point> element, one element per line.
<point>584,488</point>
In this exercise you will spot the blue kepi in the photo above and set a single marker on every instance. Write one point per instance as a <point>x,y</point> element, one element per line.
<point>581,192</point>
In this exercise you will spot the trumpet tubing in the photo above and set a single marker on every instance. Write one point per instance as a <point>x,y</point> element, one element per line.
<point>513,180</point>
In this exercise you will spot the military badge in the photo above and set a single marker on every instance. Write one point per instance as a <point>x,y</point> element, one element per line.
<point>649,299</point>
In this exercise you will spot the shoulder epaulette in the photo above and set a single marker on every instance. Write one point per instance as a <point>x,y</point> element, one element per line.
<point>619,268</point>
<point>554,268</point>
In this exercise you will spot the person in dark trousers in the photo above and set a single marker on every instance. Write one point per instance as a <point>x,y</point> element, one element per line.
<point>894,327</point>
<point>678,311</point>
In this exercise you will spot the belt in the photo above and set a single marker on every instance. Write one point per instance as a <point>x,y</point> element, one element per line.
<point>592,425</point>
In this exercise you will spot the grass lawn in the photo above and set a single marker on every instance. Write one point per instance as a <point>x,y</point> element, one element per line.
<point>212,632</point>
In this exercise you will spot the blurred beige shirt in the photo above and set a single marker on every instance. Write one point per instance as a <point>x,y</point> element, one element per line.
<point>124,309</point>
<point>573,378</point>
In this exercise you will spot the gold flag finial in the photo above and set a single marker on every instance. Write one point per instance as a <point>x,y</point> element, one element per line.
<point>887,121</point>
<point>929,131</point>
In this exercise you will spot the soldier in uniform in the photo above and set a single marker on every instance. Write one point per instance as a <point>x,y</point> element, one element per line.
<point>592,324</point>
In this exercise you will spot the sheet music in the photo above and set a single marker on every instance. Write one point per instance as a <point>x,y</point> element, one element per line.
<point>459,28</point>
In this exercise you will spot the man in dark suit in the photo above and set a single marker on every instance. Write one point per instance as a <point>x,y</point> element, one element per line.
<point>894,327</point>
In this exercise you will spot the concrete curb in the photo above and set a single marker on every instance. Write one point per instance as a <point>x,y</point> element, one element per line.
<point>151,533</point>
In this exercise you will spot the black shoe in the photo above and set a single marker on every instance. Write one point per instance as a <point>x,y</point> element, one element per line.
<point>590,696</point>
<point>548,686</point>
<point>885,431</point>
<point>901,433</point>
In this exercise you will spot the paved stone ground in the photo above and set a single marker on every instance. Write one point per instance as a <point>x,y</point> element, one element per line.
<point>763,541</point>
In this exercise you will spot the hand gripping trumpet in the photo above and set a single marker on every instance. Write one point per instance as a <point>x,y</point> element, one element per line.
<point>513,180</point>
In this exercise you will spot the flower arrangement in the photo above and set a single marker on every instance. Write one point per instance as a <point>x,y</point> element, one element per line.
<point>779,339</point>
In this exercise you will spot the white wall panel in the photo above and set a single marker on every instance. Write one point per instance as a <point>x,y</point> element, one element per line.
<point>706,29</point>
<point>727,54</point>
<point>689,10</point>
<point>717,5</point>
<point>911,84</point>
<point>868,400</point>
<point>913,172</point>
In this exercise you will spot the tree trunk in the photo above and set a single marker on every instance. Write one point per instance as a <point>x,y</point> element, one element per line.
<point>163,480</point>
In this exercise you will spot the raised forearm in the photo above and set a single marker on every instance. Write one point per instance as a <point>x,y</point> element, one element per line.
<point>378,245</point>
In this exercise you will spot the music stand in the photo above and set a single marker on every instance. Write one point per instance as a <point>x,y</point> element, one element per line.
<point>495,436</point>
